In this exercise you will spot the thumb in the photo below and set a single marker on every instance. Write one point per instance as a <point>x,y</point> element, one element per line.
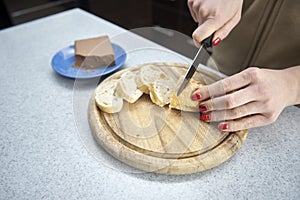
<point>204,31</point>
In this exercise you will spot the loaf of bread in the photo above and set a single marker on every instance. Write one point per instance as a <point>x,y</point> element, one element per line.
<point>106,98</point>
<point>127,87</point>
<point>149,80</point>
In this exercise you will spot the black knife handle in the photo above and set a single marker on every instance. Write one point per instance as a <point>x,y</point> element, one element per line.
<point>207,42</point>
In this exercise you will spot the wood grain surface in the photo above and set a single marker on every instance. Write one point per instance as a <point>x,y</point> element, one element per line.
<point>160,139</point>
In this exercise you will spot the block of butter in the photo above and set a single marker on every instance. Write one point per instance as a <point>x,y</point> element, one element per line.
<point>94,52</point>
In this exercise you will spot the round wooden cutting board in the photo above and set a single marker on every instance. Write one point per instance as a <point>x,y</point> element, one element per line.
<point>160,139</point>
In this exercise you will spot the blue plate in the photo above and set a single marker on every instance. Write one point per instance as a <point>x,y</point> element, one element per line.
<point>63,60</point>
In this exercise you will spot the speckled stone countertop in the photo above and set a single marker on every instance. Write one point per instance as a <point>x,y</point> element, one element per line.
<point>46,150</point>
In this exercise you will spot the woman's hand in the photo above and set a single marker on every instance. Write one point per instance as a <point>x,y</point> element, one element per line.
<point>219,16</point>
<point>251,98</point>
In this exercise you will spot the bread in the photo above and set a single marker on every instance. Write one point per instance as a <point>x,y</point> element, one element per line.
<point>150,80</point>
<point>183,101</point>
<point>106,99</point>
<point>127,87</point>
<point>147,75</point>
<point>161,91</point>
<point>94,52</point>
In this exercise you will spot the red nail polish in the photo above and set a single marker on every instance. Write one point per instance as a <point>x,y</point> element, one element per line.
<point>216,42</point>
<point>223,127</point>
<point>196,97</point>
<point>205,117</point>
<point>202,108</point>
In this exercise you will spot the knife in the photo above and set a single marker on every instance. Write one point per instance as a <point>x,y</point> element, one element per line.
<point>201,57</point>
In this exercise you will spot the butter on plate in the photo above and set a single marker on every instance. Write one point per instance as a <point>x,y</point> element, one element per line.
<point>94,52</point>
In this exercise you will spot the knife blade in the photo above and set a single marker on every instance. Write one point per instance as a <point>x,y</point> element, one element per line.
<point>200,58</point>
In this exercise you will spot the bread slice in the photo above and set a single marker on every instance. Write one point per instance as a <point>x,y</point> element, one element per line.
<point>183,101</point>
<point>147,75</point>
<point>106,99</point>
<point>161,91</point>
<point>127,87</point>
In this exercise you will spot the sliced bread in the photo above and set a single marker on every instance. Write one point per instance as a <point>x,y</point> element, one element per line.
<point>127,87</point>
<point>106,99</point>
<point>183,101</point>
<point>161,91</point>
<point>147,75</point>
<point>150,80</point>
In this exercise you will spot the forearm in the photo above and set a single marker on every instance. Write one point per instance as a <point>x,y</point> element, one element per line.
<point>292,76</point>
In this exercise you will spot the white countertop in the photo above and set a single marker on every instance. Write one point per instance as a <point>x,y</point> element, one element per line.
<point>45,154</point>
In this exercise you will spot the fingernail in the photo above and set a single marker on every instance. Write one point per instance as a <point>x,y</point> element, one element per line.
<point>217,41</point>
<point>196,97</point>
<point>205,117</point>
<point>223,127</point>
<point>202,108</point>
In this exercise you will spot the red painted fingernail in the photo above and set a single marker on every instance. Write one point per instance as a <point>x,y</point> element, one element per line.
<point>196,97</point>
<point>202,108</point>
<point>216,42</point>
<point>223,127</point>
<point>205,117</point>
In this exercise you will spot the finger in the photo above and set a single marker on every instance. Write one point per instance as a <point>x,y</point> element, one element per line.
<point>223,32</point>
<point>230,101</point>
<point>200,11</point>
<point>205,29</point>
<point>190,5</point>
<point>196,44</point>
<point>230,114</point>
<point>226,85</point>
<point>244,123</point>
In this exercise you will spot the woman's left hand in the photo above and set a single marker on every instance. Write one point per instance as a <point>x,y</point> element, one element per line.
<point>254,97</point>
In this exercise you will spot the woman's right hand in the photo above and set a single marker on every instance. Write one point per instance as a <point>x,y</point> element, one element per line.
<point>219,16</point>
